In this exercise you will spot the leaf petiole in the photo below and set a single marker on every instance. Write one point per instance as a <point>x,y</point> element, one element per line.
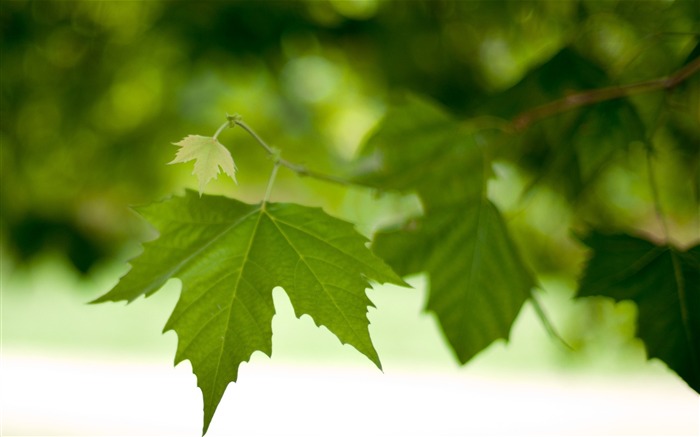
<point>221,129</point>
<point>253,134</point>
<point>278,160</point>
<point>270,183</point>
<point>548,326</point>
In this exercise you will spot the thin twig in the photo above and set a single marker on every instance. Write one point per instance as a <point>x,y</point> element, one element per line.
<point>296,168</point>
<point>548,326</point>
<point>303,171</point>
<point>221,129</point>
<point>257,138</point>
<point>270,183</point>
<point>527,118</point>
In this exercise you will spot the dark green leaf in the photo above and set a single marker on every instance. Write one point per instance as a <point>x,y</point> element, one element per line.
<point>549,82</point>
<point>664,282</point>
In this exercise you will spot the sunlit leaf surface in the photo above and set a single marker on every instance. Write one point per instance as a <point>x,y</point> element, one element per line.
<point>229,256</point>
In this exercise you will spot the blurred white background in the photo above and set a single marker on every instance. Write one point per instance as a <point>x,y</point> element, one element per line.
<point>75,369</point>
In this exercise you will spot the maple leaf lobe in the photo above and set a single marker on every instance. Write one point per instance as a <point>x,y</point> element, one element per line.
<point>229,256</point>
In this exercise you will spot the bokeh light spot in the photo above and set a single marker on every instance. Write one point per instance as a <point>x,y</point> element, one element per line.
<point>310,78</point>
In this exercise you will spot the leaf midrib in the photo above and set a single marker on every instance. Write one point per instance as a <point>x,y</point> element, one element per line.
<point>685,317</point>
<point>235,288</point>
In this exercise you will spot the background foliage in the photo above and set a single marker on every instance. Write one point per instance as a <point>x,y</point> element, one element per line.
<point>90,87</point>
<point>94,93</point>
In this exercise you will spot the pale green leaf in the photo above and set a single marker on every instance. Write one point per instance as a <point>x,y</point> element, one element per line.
<point>229,256</point>
<point>209,156</point>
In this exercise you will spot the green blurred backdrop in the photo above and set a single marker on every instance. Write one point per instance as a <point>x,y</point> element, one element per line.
<point>94,92</point>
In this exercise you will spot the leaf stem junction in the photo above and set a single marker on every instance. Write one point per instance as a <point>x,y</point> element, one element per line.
<point>237,120</point>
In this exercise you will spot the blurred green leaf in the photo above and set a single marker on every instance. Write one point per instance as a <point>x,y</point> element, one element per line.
<point>549,81</point>
<point>664,282</point>
<point>419,148</point>
<point>478,282</point>
<point>229,256</point>
<point>568,150</point>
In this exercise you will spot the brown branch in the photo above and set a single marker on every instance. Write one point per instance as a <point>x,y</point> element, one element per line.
<point>527,118</point>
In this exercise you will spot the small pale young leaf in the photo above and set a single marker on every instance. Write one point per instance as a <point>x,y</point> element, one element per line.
<point>229,256</point>
<point>664,283</point>
<point>208,154</point>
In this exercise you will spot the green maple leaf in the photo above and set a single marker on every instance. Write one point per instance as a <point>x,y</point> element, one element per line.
<point>229,256</point>
<point>478,283</point>
<point>664,283</point>
<point>209,154</point>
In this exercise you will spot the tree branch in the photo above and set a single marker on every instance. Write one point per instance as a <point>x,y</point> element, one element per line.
<point>529,117</point>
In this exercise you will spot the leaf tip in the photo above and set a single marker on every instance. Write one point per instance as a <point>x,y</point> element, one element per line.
<point>402,283</point>
<point>100,299</point>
